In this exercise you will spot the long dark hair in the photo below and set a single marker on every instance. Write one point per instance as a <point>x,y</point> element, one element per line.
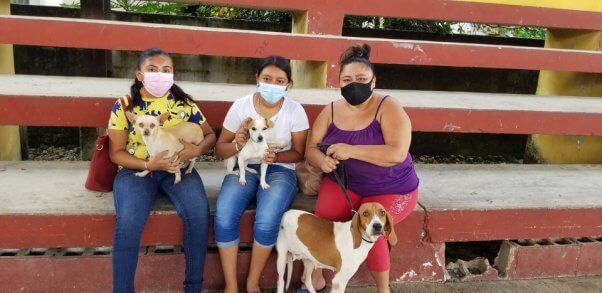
<point>176,91</point>
<point>278,61</point>
<point>356,53</point>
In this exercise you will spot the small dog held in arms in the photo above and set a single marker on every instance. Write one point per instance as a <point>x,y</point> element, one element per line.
<point>254,149</point>
<point>158,139</point>
<point>337,246</point>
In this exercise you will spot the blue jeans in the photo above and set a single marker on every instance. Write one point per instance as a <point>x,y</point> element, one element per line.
<point>233,198</point>
<point>134,198</point>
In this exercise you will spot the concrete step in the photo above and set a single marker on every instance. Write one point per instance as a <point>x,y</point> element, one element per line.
<point>85,101</point>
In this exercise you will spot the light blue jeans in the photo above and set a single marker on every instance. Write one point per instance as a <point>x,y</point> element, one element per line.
<point>233,198</point>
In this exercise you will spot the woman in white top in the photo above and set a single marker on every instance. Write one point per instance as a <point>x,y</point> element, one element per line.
<point>290,127</point>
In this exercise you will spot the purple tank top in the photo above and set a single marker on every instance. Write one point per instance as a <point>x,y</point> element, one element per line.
<point>366,178</point>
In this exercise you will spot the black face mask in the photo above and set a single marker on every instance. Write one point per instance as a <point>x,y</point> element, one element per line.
<point>356,93</point>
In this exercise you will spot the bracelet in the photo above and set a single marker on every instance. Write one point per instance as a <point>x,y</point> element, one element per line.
<point>146,165</point>
<point>236,146</point>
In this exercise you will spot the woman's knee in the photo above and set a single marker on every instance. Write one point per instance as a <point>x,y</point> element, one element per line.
<point>378,259</point>
<point>195,208</point>
<point>130,224</point>
<point>225,221</point>
<point>266,233</point>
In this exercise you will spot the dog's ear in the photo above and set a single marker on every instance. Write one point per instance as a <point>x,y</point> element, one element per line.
<point>246,124</point>
<point>163,117</point>
<point>390,227</point>
<point>131,117</point>
<point>269,123</point>
<point>355,230</point>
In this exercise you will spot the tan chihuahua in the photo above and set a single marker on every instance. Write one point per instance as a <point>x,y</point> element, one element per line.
<point>158,139</point>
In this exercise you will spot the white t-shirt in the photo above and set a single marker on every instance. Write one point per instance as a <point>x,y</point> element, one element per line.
<point>290,118</point>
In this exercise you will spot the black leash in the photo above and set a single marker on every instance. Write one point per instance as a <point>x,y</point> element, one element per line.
<point>339,179</point>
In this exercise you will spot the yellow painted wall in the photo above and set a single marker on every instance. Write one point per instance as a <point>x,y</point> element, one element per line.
<point>584,5</point>
<point>306,74</point>
<point>570,149</point>
<point>10,143</point>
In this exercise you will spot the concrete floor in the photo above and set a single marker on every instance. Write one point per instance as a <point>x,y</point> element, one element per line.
<point>556,285</point>
<point>592,284</point>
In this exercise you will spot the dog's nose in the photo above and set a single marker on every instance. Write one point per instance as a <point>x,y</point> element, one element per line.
<point>377,226</point>
<point>146,132</point>
<point>259,138</point>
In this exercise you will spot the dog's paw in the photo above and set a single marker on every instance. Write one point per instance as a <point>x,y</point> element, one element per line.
<point>141,174</point>
<point>233,172</point>
<point>242,181</point>
<point>265,186</point>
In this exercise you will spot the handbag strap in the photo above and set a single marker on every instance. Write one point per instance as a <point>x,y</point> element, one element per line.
<point>122,102</point>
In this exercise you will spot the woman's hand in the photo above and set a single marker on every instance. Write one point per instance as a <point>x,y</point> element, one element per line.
<point>240,137</point>
<point>340,151</point>
<point>328,164</point>
<point>160,162</point>
<point>188,152</point>
<point>270,156</point>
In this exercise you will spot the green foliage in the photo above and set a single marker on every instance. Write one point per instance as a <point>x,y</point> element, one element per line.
<point>440,27</point>
<point>510,31</point>
<point>157,7</point>
<point>160,7</point>
<point>242,13</point>
<point>73,4</point>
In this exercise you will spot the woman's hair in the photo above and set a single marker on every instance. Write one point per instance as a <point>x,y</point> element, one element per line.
<point>176,91</point>
<point>278,61</point>
<point>356,53</point>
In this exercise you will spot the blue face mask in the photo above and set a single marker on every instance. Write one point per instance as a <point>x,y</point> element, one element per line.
<point>271,93</point>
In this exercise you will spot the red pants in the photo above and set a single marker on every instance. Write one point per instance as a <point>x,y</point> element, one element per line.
<point>332,205</point>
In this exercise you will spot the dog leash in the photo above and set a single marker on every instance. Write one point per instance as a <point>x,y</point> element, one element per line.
<point>339,180</point>
<point>343,185</point>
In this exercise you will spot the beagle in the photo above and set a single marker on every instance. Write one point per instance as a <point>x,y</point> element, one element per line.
<point>337,246</point>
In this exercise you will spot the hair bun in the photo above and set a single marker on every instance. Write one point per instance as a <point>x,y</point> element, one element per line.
<point>356,51</point>
<point>366,51</point>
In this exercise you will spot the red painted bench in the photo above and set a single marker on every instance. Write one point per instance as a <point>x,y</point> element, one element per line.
<point>57,212</point>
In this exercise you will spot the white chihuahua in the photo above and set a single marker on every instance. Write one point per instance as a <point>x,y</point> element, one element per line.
<point>158,139</point>
<point>255,148</point>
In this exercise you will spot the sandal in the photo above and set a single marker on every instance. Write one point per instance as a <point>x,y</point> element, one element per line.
<point>304,290</point>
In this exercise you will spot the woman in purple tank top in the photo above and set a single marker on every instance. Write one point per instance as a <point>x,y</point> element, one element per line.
<point>369,135</point>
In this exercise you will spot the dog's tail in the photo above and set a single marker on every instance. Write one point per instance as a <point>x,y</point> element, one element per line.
<point>289,269</point>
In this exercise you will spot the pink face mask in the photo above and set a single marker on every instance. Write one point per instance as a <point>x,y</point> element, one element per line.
<point>157,83</point>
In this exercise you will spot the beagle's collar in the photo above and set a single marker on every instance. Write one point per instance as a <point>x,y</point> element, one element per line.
<point>366,240</point>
